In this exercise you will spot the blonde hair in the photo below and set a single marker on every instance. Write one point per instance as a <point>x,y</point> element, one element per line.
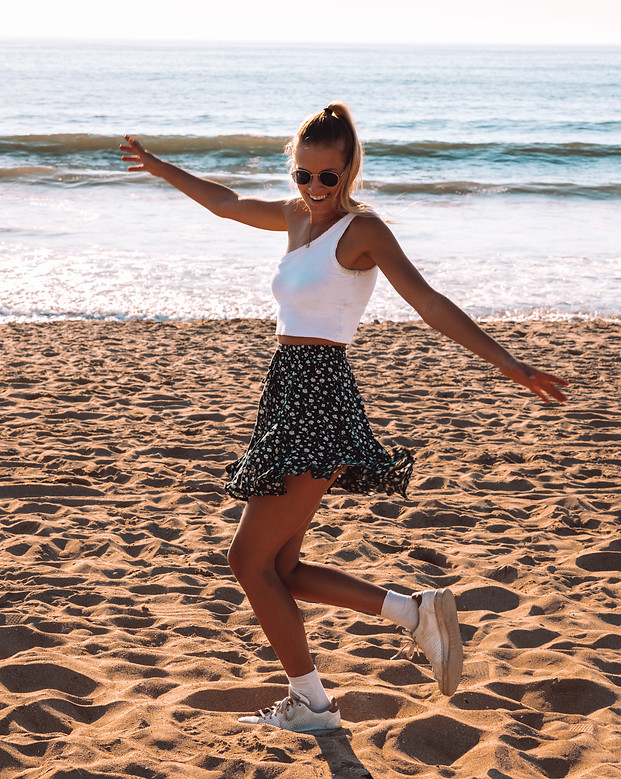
<point>334,126</point>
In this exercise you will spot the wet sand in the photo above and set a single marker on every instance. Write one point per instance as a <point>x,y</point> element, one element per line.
<point>127,649</point>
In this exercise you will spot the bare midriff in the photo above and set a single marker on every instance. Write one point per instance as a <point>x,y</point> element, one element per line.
<point>295,340</point>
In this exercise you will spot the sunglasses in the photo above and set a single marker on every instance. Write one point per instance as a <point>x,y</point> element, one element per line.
<point>326,177</point>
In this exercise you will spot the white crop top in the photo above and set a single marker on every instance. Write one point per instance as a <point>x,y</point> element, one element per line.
<point>317,297</point>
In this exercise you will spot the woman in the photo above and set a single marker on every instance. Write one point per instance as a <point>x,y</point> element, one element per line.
<point>311,430</point>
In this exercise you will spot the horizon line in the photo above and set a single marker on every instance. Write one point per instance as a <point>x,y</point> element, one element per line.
<point>297,42</point>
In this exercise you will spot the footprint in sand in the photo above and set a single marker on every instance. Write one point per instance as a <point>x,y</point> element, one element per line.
<point>436,740</point>
<point>530,639</point>
<point>29,677</point>
<point>20,638</point>
<point>600,561</point>
<point>566,696</point>
<point>361,706</point>
<point>494,599</point>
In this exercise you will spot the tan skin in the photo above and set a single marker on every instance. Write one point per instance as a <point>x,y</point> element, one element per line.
<point>265,553</point>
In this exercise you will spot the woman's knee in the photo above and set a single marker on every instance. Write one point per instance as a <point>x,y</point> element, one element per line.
<point>248,566</point>
<point>237,557</point>
<point>246,562</point>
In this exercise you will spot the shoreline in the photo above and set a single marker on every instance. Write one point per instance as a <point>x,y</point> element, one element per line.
<point>126,645</point>
<point>549,318</point>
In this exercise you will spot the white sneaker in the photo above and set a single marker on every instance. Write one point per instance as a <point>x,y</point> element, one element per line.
<point>437,636</point>
<point>294,713</point>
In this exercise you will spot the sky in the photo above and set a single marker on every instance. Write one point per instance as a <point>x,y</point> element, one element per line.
<point>498,22</point>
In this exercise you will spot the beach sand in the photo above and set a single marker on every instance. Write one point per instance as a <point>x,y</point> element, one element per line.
<point>127,649</point>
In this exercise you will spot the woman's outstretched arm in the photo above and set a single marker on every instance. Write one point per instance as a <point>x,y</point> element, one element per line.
<point>443,315</point>
<point>220,200</point>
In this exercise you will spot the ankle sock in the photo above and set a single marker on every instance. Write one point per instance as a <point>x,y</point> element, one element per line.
<point>400,609</point>
<point>311,687</point>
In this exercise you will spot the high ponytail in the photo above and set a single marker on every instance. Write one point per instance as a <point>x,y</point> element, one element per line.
<point>334,126</point>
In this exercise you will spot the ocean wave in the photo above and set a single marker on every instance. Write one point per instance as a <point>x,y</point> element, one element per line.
<point>257,182</point>
<point>66,144</point>
<point>78,143</point>
<point>46,174</point>
<point>32,172</point>
<point>548,189</point>
<point>61,177</point>
<point>458,149</point>
<point>253,162</point>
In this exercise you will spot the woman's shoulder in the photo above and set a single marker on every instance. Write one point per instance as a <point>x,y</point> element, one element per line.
<point>369,223</point>
<point>368,234</point>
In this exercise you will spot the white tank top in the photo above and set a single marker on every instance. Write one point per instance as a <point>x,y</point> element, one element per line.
<point>317,297</point>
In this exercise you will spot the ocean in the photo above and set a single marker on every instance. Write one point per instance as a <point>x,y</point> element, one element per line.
<point>499,170</point>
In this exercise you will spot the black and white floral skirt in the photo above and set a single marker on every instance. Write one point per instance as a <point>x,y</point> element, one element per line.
<point>311,418</point>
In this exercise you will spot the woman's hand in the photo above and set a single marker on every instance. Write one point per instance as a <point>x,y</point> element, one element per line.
<point>539,382</point>
<point>140,158</point>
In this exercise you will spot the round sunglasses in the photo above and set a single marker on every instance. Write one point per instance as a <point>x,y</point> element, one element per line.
<point>326,177</point>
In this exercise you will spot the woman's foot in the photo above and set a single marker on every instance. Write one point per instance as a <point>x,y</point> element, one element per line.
<point>437,636</point>
<point>294,713</point>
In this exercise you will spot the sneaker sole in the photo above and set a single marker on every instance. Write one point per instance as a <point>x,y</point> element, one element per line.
<point>446,614</point>
<point>310,731</point>
<point>320,731</point>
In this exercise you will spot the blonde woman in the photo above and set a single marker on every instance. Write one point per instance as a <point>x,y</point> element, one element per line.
<point>312,431</point>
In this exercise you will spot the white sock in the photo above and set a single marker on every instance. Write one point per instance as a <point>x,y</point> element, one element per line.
<point>311,687</point>
<point>400,609</point>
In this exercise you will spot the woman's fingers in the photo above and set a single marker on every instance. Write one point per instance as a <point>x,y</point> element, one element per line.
<point>551,377</point>
<point>136,162</point>
<point>134,145</point>
<point>544,385</point>
<point>550,390</point>
<point>539,382</point>
<point>556,393</point>
<point>134,153</point>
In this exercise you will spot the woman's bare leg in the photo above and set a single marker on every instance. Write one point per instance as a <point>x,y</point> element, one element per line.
<point>322,584</point>
<point>264,558</point>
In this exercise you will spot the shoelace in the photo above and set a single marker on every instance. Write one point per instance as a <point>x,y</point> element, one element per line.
<point>283,707</point>
<point>409,648</point>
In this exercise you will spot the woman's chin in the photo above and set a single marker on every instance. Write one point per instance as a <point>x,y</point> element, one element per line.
<point>321,207</point>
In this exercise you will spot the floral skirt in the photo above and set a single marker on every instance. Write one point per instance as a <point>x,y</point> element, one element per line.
<point>311,418</point>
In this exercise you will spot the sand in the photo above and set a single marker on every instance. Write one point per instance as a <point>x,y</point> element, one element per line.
<point>127,649</point>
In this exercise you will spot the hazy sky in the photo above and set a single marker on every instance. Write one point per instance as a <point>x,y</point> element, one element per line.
<point>386,21</point>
